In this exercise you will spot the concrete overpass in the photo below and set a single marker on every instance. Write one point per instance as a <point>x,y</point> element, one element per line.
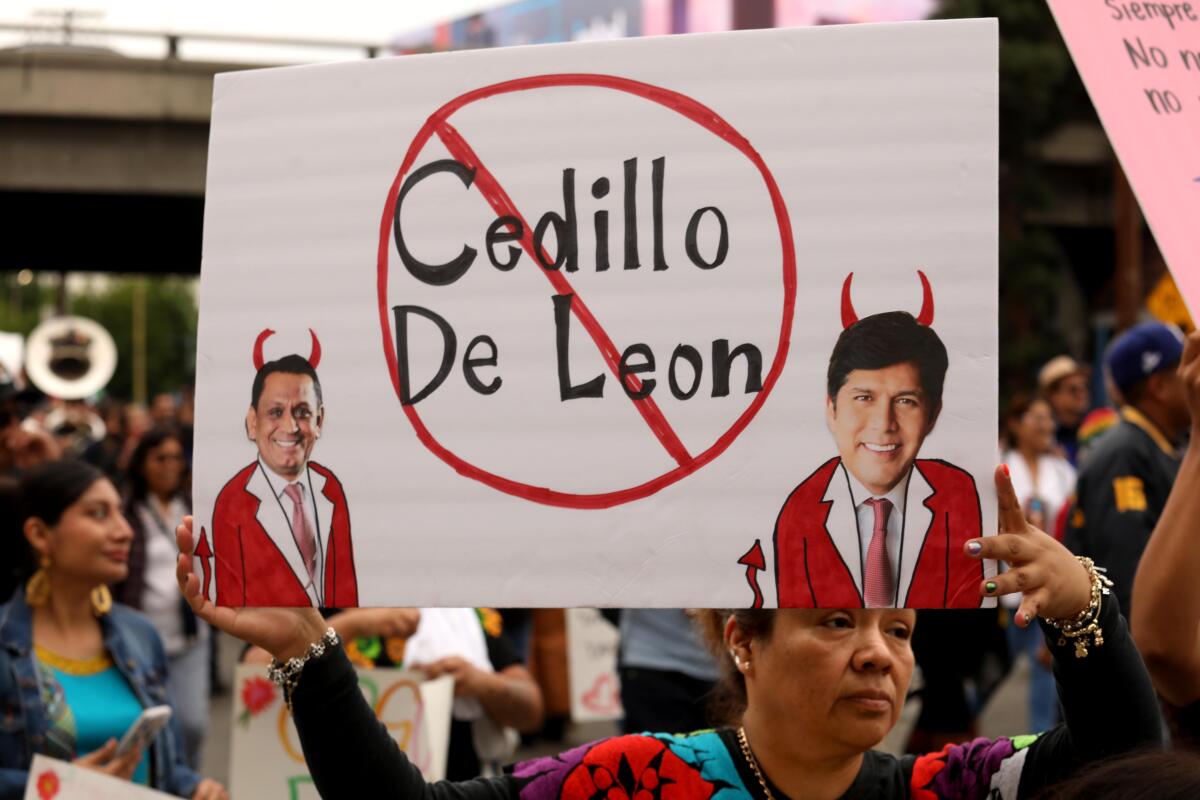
<point>102,160</point>
<point>102,157</point>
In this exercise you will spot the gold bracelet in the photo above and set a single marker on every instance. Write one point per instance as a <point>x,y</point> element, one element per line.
<point>1084,628</point>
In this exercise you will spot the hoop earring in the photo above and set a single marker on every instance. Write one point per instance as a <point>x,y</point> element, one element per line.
<point>37,588</point>
<point>101,600</point>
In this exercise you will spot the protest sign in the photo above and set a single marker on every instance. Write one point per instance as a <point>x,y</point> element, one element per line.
<point>51,779</point>
<point>592,666</point>
<point>571,312</point>
<point>266,755</point>
<point>1140,62</point>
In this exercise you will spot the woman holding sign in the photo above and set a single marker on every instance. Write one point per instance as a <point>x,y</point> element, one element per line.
<point>813,691</point>
<point>77,670</point>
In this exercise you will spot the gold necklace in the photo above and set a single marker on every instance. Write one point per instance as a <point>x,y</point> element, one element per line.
<point>73,666</point>
<point>749,756</point>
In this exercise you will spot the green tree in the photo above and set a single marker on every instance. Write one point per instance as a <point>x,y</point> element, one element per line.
<point>1040,91</point>
<point>170,331</point>
<point>21,306</point>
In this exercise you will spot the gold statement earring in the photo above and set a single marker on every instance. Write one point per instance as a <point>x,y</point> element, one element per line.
<point>37,588</point>
<point>101,600</point>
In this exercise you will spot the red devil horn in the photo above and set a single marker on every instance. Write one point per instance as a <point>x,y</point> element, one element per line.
<point>926,316</point>
<point>848,315</point>
<point>314,357</point>
<point>258,344</point>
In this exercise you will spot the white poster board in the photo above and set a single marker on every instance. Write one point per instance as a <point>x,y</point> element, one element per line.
<point>592,643</point>
<point>267,761</point>
<point>51,779</point>
<point>699,201</point>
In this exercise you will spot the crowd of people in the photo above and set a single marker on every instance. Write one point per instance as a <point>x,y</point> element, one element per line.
<point>93,629</point>
<point>102,617</point>
<point>1099,480</point>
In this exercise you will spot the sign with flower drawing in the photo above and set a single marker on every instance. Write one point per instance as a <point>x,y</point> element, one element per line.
<point>592,643</point>
<point>268,762</point>
<point>51,779</point>
<point>258,695</point>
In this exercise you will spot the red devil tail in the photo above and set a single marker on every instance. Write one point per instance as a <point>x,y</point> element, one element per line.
<point>754,562</point>
<point>204,554</point>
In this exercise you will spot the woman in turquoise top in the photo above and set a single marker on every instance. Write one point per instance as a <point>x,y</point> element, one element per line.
<point>75,670</point>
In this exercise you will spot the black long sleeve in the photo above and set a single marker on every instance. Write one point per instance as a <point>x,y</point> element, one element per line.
<point>350,753</point>
<point>1109,705</point>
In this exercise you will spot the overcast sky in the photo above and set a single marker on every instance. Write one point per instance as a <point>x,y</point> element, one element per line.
<point>356,20</point>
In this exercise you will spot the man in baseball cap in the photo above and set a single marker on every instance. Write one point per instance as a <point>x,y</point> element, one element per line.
<point>1142,352</point>
<point>1064,383</point>
<point>1127,476</point>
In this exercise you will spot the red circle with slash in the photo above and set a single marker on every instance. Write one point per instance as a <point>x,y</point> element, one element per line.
<point>438,125</point>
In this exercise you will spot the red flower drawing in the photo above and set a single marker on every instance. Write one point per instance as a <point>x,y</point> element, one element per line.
<point>258,694</point>
<point>635,768</point>
<point>47,785</point>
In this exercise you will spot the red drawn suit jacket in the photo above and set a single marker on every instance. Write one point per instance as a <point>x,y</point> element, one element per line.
<point>818,555</point>
<point>257,560</point>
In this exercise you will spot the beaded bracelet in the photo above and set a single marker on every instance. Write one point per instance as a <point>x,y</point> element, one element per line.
<point>1084,628</point>
<point>286,675</point>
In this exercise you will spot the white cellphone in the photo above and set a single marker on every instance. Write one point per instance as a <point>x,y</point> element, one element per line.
<point>144,729</point>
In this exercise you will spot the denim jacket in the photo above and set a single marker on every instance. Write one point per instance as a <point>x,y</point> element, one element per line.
<point>137,653</point>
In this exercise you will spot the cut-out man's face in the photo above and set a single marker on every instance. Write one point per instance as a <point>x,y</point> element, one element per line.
<point>287,422</point>
<point>879,419</point>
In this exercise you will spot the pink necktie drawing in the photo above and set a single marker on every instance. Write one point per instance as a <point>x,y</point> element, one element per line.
<point>877,585</point>
<point>301,531</point>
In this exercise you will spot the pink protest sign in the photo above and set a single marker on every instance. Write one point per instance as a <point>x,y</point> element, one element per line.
<point>1140,62</point>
